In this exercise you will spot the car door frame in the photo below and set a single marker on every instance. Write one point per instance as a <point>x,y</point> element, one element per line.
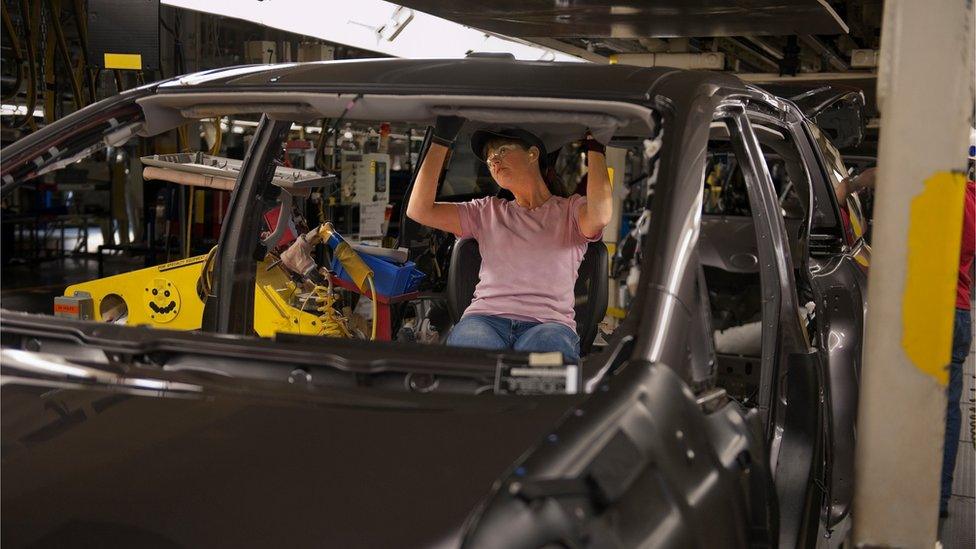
<point>834,273</point>
<point>838,276</point>
<point>231,308</point>
<point>791,372</point>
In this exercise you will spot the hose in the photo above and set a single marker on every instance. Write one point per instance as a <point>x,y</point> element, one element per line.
<point>322,216</point>
<point>118,80</point>
<point>331,323</point>
<point>372,297</point>
<point>54,8</point>
<point>319,161</point>
<point>8,27</point>
<point>335,126</point>
<point>82,24</point>
<point>206,277</point>
<point>52,99</point>
<point>218,138</point>
<point>25,14</point>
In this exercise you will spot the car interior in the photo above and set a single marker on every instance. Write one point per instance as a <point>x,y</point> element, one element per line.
<point>196,173</point>
<point>728,250</point>
<point>348,134</point>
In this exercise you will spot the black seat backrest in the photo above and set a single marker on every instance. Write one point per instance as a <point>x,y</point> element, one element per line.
<point>591,286</point>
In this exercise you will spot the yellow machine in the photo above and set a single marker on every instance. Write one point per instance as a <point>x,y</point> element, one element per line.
<point>170,296</point>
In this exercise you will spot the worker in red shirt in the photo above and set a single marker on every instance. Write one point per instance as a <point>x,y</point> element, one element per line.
<point>962,335</point>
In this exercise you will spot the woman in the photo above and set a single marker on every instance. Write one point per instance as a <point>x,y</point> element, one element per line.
<point>531,247</point>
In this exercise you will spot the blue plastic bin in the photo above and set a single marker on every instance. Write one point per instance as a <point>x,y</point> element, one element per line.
<point>390,278</point>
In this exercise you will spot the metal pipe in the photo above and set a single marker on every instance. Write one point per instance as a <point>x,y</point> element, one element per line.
<point>15,81</point>
<point>25,15</point>
<point>773,51</point>
<point>805,76</point>
<point>737,48</point>
<point>824,51</point>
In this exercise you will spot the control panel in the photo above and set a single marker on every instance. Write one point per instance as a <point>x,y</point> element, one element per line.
<point>365,177</point>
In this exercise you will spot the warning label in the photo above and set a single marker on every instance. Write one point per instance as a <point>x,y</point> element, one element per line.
<point>66,309</point>
<point>182,263</point>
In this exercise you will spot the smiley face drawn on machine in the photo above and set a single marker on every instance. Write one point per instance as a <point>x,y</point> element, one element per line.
<point>162,300</point>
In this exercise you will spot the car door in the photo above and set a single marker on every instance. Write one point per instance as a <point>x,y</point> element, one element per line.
<point>790,371</point>
<point>838,264</point>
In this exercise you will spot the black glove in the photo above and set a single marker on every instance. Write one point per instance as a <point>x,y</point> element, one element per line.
<point>446,129</point>
<point>590,144</point>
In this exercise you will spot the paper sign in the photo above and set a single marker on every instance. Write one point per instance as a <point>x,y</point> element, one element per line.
<point>371,219</point>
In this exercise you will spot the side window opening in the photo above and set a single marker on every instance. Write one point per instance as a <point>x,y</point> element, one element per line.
<point>728,249</point>
<point>729,256</point>
<point>855,223</point>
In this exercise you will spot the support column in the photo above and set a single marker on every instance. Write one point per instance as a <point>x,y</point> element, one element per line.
<point>926,102</point>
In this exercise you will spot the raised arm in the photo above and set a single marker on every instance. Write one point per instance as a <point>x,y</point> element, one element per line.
<point>850,185</point>
<point>596,213</point>
<point>422,208</point>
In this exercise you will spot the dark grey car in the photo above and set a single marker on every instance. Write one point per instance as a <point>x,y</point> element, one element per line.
<point>719,413</point>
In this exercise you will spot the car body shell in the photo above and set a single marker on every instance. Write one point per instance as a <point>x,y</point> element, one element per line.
<point>305,447</point>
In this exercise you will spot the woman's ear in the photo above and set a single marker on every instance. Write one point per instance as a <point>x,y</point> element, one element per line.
<point>533,153</point>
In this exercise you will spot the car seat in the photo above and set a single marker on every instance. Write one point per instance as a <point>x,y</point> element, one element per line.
<point>591,286</point>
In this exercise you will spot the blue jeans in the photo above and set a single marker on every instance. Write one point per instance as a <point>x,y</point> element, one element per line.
<point>495,332</point>
<point>962,338</point>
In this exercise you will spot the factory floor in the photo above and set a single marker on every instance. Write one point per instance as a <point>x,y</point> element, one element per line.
<point>32,288</point>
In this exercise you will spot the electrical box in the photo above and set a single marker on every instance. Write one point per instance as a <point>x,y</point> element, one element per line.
<point>79,306</point>
<point>864,59</point>
<point>261,51</point>
<point>310,51</point>
<point>123,34</point>
<point>365,178</point>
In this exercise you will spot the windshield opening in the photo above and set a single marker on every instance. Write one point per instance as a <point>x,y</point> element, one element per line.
<point>131,231</point>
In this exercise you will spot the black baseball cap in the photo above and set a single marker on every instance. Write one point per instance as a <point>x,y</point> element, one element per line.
<point>480,139</point>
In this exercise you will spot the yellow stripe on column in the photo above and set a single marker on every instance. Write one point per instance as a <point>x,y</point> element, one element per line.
<point>928,304</point>
<point>129,61</point>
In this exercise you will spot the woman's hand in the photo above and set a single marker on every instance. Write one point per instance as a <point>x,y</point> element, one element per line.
<point>596,213</point>
<point>590,144</point>
<point>421,206</point>
<point>446,129</point>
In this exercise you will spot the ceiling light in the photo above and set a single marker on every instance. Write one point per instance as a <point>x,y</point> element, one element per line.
<point>374,25</point>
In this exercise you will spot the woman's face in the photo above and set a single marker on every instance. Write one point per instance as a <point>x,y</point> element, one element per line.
<point>510,162</point>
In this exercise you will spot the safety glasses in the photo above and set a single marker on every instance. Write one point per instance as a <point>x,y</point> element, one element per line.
<point>499,153</point>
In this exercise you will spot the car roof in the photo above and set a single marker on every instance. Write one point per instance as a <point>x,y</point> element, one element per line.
<point>482,76</point>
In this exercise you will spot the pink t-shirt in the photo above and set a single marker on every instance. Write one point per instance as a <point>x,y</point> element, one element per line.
<point>529,258</point>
